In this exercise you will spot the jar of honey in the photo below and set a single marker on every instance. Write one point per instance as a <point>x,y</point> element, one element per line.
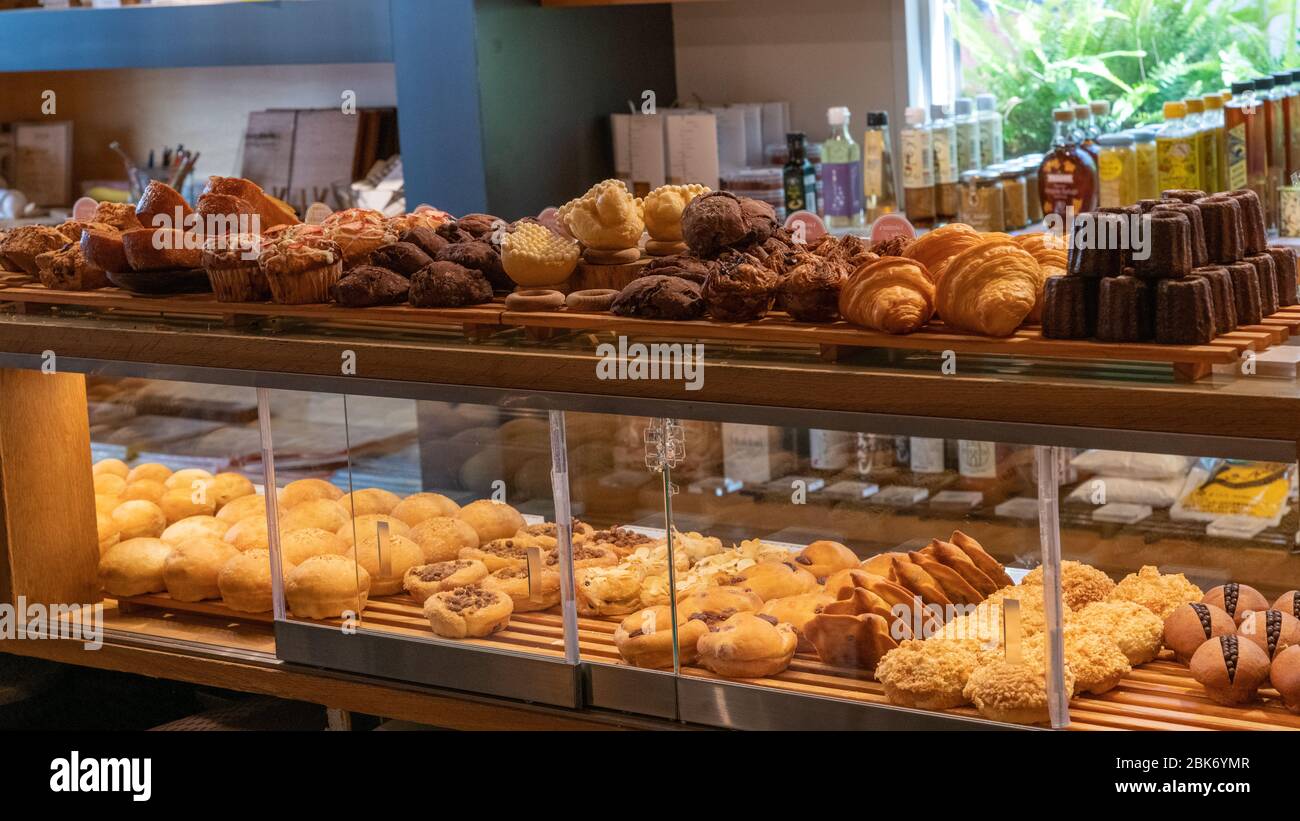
<point>1144,149</point>
<point>981,205</point>
<point>1117,170</point>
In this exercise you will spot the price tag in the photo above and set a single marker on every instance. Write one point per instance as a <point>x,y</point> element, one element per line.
<point>1011,631</point>
<point>806,227</point>
<point>535,568</point>
<point>889,226</point>
<point>385,550</point>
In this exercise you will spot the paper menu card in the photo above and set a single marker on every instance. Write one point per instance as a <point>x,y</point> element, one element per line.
<point>268,149</point>
<point>646,143</point>
<point>692,148</point>
<point>43,161</point>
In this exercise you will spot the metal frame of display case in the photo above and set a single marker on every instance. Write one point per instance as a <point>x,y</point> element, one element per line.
<point>647,692</point>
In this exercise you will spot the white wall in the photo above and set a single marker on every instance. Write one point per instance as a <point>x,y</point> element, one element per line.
<point>814,53</point>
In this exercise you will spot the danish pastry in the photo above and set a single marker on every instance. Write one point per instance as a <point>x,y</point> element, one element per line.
<point>989,288</point>
<point>499,553</point>
<point>645,638</point>
<point>955,587</point>
<point>422,581</point>
<point>608,591</point>
<point>772,580</point>
<point>747,646</point>
<point>468,612</point>
<point>952,556</point>
<point>892,294</point>
<point>528,591</point>
<point>985,562</point>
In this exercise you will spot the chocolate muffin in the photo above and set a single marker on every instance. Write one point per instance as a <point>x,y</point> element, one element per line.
<point>1184,312</point>
<point>469,227</point>
<point>403,258</point>
<point>1096,250</point>
<point>367,285</point>
<point>1221,216</point>
<point>481,257</point>
<point>448,285</point>
<point>720,219</point>
<point>810,291</point>
<point>1169,246</point>
<point>681,265</point>
<point>1200,256</point>
<point>426,239</point>
<point>740,289</point>
<point>660,297</point>
<point>1284,265</point>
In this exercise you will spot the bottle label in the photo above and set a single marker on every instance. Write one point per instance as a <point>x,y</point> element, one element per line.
<point>1209,148</point>
<point>800,191</point>
<point>977,460</point>
<point>842,188</point>
<point>1237,156</point>
<point>1110,170</point>
<point>968,146</point>
<point>987,138</point>
<point>918,159</point>
<point>945,156</point>
<point>1177,160</point>
<point>873,163</point>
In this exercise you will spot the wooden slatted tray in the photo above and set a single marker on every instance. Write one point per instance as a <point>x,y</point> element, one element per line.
<point>832,340</point>
<point>1161,695</point>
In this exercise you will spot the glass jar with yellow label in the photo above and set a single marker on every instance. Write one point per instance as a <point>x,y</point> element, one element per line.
<point>1015,194</point>
<point>1178,150</point>
<point>1144,146</point>
<point>981,205</point>
<point>1117,170</point>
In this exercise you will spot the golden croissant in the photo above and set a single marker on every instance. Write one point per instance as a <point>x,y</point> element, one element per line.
<point>989,288</point>
<point>932,248</point>
<point>964,243</point>
<point>1049,252</point>
<point>891,294</point>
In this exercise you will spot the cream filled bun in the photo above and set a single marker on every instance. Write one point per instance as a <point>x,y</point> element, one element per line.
<point>297,546</point>
<point>114,466</point>
<point>191,569</point>
<point>182,503</point>
<point>188,479</point>
<point>245,581</point>
<point>195,526</point>
<point>491,520</point>
<point>369,501</point>
<point>150,490</point>
<point>224,488</point>
<point>321,513</point>
<point>304,490</point>
<point>109,484</point>
<point>420,506</point>
<point>134,567</point>
<point>139,519</point>
<point>368,525</point>
<point>242,508</point>
<point>326,587</point>
<point>249,534</point>
<point>149,470</point>
<point>441,538</point>
<point>386,572</point>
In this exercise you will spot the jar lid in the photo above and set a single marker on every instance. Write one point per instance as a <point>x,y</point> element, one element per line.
<point>1242,86</point>
<point>1282,77</point>
<point>979,175</point>
<point>1010,170</point>
<point>914,115</point>
<point>1118,140</point>
<point>964,106</point>
<point>1174,109</point>
<point>1195,105</point>
<point>1100,107</point>
<point>1263,83</point>
<point>1063,115</point>
<point>986,102</point>
<point>1141,135</point>
<point>877,119</point>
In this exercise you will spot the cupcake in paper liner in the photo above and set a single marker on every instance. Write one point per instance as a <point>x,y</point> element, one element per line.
<point>302,270</point>
<point>231,261</point>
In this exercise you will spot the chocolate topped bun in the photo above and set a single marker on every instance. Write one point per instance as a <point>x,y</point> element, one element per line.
<point>1231,669</point>
<point>367,285</point>
<point>720,219</point>
<point>403,258</point>
<point>681,265</point>
<point>481,257</point>
<point>448,285</point>
<point>426,239</point>
<point>810,291</point>
<point>660,297</point>
<point>739,290</point>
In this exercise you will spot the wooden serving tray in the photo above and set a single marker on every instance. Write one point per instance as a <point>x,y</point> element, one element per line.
<point>832,340</point>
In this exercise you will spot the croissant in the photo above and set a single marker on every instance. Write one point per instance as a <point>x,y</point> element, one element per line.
<point>989,288</point>
<point>1049,253</point>
<point>892,294</point>
<point>933,248</point>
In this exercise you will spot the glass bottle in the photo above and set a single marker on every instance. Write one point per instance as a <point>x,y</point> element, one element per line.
<point>1067,179</point>
<point>1213,118</point>
<point>1177,150</point>
<point>1284,81</point>
<point>990,129</point>
<point>1144,147</point>
<point>1208,148</point>
<point>1015,199</point>
<point>918,168</point>
<point>1029,164</point>
<point>943,133</point>
<point>1085,133</point>
<point>1116,170</point>
<point>1246,143</point>
<point>841,173</point>
<point>968,135</point>
<point>982,205</point>
<point>799,177</point>
<point>1274,146</point>
<point>1101,117</point>
<point>878,167</point>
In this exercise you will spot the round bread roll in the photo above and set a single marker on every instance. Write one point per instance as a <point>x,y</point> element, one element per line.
<point>748,646</point>
<point>187,479</point>
<point>1288,602</point>
<point>114,466</point>
<point>139,519</point>
<point>149,470</point>
<point>245,582</point>
<point>224,488</point>
<point>249,534</point>
<point>242,508</point>
<point>1272,630</point>
<point>1285,676</point>
<point>420,506</point>
<point>107,504</point>
<point>1231,669</point>
<point>326,587</point>
<point>773,580</point>
<point>304,490</point>
<point>151,490</point>
<point>108,532</point>
<point>441,538</point>
<point>297,546</point>
<point>645,638</point>
<point>321,513</point>
<point>110,484</point>
<point>193,527</point>
<point>179,503</point>
<point>370,501</point>
<point>1191,625</point>
<point>403,555</point>
<point>1237,600</point>
<point>191,569</point>
<point>368,524</point>
<point>491,520</point>
<point>134,567</point>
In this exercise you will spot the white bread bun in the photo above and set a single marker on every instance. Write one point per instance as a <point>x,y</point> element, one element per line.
<point>420,506</point>
<point>404,554</point>
<point>187,479</point>
<point>114,466</point>
<point>194,527</point>
<point>442,538</point>
<point>242,508</point>
<point>304,490</point>
<point>321,513</point>
<point>179,503</point>
<point>297,546</point>
<point>249,534</point>
<point>369,501</point>
<point>134,567</point>
<point>245,582</point>
<point>191,569</point>
<point>325,587</point>
<point>151,490</point>
<point>109,484</point>
<point>224,488</point>
<point>367,525</point>
<point>139,519</point>
<point>108,532</point>
<point>149,470</point>
<point>107,504</point>
<point>491,520</point>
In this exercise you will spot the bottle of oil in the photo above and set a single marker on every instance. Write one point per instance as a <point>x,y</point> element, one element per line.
<point>918,168</point>
<point>841,173</point>
<point>878,192</point>
<point>1205,135</point>
<point>1246,144</point>
<point>943,133</point>
<point>1178,151</point>
<point>1213,119</point>
<point>1067,179</point>
<point>799,177</point>
<point>990,129</point>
